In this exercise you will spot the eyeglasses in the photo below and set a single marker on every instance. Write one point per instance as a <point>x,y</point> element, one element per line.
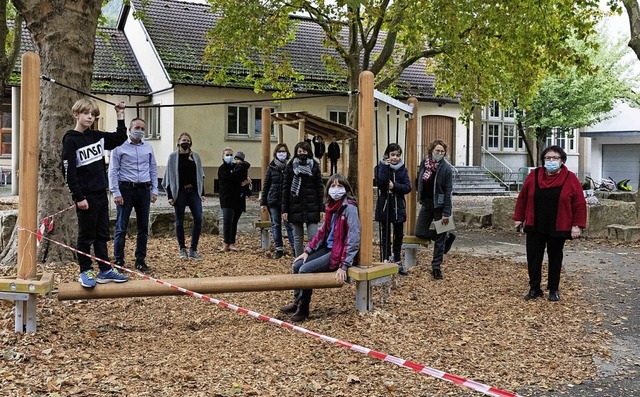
<point>549,158</point>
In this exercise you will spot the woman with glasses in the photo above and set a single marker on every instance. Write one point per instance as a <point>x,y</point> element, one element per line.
<point>271,197</point>
<point>551,209</point>
<point>435,187</point>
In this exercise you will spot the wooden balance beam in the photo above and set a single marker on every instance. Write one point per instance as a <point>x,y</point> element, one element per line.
<point>364,277</point>
<point>207,285</point>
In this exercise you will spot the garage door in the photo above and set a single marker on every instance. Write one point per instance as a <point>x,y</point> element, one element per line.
<point>621,162</point>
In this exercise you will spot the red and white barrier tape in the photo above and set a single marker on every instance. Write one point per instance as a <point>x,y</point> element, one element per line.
<point>47,223</point>
<point>420,368</point>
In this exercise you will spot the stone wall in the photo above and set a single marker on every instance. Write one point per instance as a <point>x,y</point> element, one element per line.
<point>599,216</point>
<point>161,223</point>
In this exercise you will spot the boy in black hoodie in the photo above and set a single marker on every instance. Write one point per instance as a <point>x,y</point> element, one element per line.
<point>85,174</point>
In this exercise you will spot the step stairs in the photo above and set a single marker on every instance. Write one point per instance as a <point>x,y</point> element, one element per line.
<point>473,181</point>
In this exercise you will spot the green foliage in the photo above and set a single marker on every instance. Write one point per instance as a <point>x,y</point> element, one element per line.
<point>477,49</point>
<point>582,94</point>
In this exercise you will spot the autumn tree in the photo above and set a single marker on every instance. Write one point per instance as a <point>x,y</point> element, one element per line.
<point>63,34</point>
<point>583,94</point>
<point>477,49</point>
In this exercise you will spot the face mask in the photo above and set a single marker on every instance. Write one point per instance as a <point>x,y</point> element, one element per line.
<point>336,193</point>
<point>228,159</point>
<point>136,134</point>
<point>552,166</point>
<point>437,157</point>
<point>302,158</point>
<point>185,145</point>
<point>281,156</point>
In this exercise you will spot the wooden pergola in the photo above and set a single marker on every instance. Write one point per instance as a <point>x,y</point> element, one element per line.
<point>309,124</point>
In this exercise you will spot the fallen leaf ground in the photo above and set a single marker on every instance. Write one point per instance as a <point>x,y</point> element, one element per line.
<point>473,324</point>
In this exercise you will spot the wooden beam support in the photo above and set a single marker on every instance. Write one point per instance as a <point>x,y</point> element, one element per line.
<point>411,162</point>
<point>365,166</point>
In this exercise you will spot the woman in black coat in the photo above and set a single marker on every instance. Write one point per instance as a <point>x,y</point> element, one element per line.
<point>392,180</point>
<point>302,195</point>
<point>233,177</point>
<point>271,196</point>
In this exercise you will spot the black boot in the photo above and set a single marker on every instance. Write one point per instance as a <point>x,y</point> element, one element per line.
<point>292,307</point>
<point>303,307</point>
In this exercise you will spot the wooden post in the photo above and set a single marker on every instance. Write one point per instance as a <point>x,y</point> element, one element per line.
<point>365,166</point>
<point>412,161</point>
<point>280,133</point>
<point>266,151</point>
<point>343,158</point>
<point>301,131</point>
<point>30,148</point>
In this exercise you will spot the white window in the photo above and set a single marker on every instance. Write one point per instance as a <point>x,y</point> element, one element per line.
<point>509,137</point>
<point>151,117</point>
<point>509,113</point>
<point>338,116</point>
<point>561,139</point>
<point>245,121</point>
<point>521,144</point>
<point>494,109</point>
<point>493,138</point>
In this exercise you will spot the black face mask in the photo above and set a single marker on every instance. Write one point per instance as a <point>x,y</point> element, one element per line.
<point>185,145</point>
<point>302,158</point>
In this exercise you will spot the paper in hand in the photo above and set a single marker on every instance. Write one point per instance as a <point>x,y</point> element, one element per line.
<point>440,228</point>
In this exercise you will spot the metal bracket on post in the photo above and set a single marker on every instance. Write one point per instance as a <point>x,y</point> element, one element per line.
<point>264,227</point>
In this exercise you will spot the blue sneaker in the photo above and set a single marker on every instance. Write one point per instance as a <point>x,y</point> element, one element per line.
<point>112,275</point>
<point>87,278</point>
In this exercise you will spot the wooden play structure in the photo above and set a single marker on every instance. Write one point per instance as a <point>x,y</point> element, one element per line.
<point>26,285</point>
<point>306,124</point>
<point>23,288</point>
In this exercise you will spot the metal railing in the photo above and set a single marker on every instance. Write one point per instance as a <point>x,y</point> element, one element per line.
<point>499,170</point>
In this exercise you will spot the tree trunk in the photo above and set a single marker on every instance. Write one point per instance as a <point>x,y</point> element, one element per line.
<point>63,33</point>
<point>633,11</point>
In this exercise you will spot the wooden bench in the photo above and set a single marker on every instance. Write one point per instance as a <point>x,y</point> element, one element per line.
<point>23,293</point>
<point>265,227</point>
<point>410,244</point>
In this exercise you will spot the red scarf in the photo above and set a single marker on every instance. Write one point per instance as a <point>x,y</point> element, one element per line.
<point>546,181</point>
<point>429,167</point>
<point>332,208</point>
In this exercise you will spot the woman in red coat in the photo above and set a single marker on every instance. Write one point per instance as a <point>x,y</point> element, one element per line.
<point>551,208</point>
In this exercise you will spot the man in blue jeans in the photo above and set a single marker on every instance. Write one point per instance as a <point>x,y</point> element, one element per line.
<point>133,180</point>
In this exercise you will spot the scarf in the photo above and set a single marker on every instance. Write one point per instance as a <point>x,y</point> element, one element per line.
<point>397,166</point>
<point>550,181</point>
<point>299,169</point>
<point>429,167</point>
<point>279,164</point>
<point>332,208</point>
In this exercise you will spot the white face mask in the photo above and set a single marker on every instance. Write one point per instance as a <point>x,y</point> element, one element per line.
<point>437,157</point>
<point>336,193</point>
<point>136,134</point>
<point>281,156</point>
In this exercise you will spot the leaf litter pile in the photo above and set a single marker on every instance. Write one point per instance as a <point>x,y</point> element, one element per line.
<point>473,324</point>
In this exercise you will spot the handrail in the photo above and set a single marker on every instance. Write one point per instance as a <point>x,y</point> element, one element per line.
<point>495,167</point>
